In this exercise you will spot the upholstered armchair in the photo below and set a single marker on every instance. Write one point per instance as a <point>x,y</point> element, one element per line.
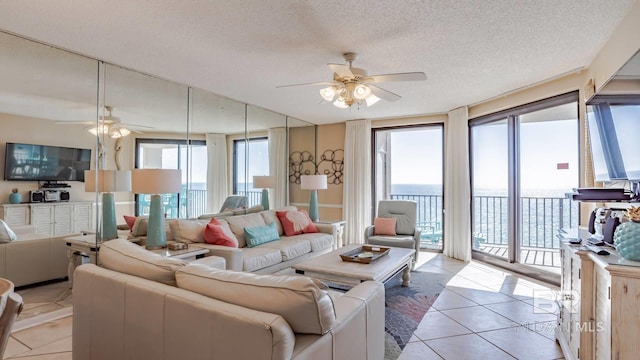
<point>407,234</point>
<point>234,202</point>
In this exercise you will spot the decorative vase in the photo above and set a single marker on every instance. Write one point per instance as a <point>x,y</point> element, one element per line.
<point>627,240</point>
<point>15,198</point>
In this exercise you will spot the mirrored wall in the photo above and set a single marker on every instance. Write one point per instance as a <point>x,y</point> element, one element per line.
<point>51,97</point>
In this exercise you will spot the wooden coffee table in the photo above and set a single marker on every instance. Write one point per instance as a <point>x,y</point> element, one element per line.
<point>330,267</point>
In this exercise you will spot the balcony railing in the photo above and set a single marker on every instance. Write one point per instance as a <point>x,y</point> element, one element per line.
<point>195,203</point>
<point>541,218</point>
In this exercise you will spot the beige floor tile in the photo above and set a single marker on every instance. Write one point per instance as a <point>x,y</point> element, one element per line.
<point>450,300</point>
<point>57,356</point>
<point>436,325</point>
<point>464,347</point>
<point>418,350</point>
<point>45,293</point>
<point>521,312</point>
<point>38,309</point>
<point>46,333</point>
<point>517,290</point>
<point>480,296</point>
<point>522,343</point>
<point>60,346</point>
<point>461,282</point>
<point>546,329</point>
<point>14,347</point>
<point>478,318</point>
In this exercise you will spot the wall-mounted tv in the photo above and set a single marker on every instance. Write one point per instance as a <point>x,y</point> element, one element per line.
<point>614,125</point>
<point>29,162</point>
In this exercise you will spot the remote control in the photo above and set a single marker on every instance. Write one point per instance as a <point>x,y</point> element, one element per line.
<point>597,250</point>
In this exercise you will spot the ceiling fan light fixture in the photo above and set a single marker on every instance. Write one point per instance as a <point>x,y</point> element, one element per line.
<point>99,130</point>
<point>328,93</point>
<point>361,92</point>
<point>372,99</point>
<point>340,103</point>
<point>119,132</point>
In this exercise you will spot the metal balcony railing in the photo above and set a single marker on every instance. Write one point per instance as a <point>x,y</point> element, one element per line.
<point>541,218</point>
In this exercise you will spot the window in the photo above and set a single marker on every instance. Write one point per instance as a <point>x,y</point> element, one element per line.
<point>523,162</point>
<point>250,158</point>
<point>175,154</point>
<point>408,165</point>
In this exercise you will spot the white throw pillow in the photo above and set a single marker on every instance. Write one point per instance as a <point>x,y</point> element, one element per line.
<point>188,231</point>
<point>6,234</point>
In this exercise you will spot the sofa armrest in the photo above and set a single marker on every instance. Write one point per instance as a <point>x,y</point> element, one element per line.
<point>368,231</point>
<point>360,315</point>
<point>327,229</point>
<point>232,256</point>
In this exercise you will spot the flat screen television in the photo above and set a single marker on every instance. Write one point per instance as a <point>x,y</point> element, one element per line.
<point>614,126</point>
<point>29,162</point>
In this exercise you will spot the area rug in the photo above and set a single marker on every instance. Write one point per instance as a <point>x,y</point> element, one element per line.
<point>406,306</point>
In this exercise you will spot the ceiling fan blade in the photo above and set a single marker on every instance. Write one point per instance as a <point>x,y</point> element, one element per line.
<point>384,94</point>
<point>328,83</point>
<point>74,122</point>
<point>410,76</point>
<point>343,71</point>
<point>132,126</point>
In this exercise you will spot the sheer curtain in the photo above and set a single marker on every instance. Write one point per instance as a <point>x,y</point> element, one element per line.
<point>216,171</point>
<point>278,166</point>
<point>457,190</point>
<point>357,180</point>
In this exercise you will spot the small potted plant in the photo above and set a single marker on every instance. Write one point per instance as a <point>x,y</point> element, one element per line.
<point>15,197</point>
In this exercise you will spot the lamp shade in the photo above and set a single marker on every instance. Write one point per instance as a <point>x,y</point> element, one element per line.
<point>107,180</point>
<point>156,181</point>
<point>313,182</point>
<point>264,182</point>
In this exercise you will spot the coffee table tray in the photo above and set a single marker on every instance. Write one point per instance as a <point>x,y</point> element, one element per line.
<point>365,254</point>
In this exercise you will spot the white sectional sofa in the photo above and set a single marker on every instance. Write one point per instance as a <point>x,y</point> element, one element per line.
<point>264,259</point>
<point>128,310</point>
<point>33,258</point>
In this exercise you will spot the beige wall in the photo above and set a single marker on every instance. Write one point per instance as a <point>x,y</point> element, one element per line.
<point>330,137</point>
<point>301,139</point>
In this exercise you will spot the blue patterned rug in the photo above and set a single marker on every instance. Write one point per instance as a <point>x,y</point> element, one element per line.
<point>406,306</point>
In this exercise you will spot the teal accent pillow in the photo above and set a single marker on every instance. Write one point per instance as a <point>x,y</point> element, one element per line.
<point>261,234</point>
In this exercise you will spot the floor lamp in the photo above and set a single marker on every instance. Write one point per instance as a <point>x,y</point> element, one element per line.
<point>264,183</point>
<point>155,182</point>
<point>313,183</point>
<point>107,182</point>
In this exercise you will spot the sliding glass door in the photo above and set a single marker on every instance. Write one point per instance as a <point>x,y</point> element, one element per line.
<point>409,166</point>
<point>524,162</point>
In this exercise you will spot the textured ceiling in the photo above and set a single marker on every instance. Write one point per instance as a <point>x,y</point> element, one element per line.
<point>470,50</point>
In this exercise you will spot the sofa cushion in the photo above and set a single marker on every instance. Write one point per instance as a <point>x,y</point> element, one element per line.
<point>6,234</point>
<point>318,241</point>
<point>260,257</point>
<point>219,233</point>
<point>302,301</point>
<point>296,222</point>
<point>250,210</point>
<point>261,234</point>
<point>238,223</point>
<point>290,248</point>
<point>126,257</point>
<point>188,231</point>
<point>404,241</point>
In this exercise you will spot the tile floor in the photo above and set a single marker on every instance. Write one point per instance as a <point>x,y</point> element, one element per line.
<point>484,313</point>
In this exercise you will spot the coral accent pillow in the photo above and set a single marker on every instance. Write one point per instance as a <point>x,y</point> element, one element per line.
<point>130,220</point>
<point>384,226</point>
<point>215,233</point>
<point>296,222</point>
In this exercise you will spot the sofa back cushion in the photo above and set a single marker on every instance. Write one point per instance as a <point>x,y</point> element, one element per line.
<point>188,231</point>
<point>142,223</point>
<point>126,257</point>
<point>239,222</point>
<point>302,301</point>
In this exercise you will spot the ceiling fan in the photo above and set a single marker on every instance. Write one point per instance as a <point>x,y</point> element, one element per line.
<point>352,85</point>
<point>107,125</point>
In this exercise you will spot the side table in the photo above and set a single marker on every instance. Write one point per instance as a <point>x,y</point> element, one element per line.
<point>339,226</point>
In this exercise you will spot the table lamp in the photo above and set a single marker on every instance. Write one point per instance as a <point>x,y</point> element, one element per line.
<point>313,183</point>
<point>264,183</point>
<point>107,182</point>
<point>155,182</point>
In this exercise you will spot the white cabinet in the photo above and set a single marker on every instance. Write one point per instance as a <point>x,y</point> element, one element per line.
<point>15,214</point>
<point>55,219</point>
<point>600,314</point>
